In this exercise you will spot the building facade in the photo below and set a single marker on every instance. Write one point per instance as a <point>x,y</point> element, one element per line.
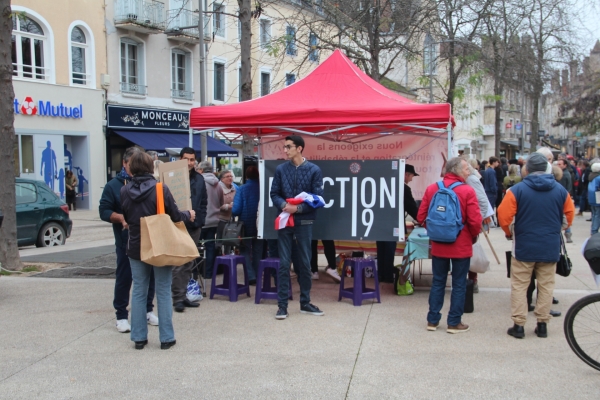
<point>58,55</point>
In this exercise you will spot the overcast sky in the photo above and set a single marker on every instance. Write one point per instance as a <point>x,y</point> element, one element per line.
<point>591,22</point>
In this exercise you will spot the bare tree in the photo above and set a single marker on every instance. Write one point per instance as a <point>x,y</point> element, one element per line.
<point>500,50</point>
<point>552,40</point>
<point>374,34</point>
<point>245,17</point>
<point>9,252</point>
<point>458,28</point>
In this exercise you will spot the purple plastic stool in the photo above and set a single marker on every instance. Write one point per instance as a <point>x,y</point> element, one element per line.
<point>230,287</point>
<point>264,290</point>
<point>359,292</point>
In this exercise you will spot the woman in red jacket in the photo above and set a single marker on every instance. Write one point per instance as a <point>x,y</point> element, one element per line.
<point>459,252</point>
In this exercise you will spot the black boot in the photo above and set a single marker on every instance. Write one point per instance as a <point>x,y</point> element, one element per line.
<point>517,331</point>
<point>541,330</point>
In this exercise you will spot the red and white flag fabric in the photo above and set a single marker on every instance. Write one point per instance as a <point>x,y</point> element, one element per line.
<point>286,219</point>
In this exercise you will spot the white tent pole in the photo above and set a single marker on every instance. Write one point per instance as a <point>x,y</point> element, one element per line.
<point>191,140</point>
<point>449,140</point>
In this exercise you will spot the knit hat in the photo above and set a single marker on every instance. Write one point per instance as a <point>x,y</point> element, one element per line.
<point>537,163</point>
<point>596,167</point>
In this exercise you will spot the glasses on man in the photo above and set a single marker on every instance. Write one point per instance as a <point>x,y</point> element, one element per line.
<point>289,146</point>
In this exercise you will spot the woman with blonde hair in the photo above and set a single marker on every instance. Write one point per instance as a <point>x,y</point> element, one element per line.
<point>156,173</point>
<point>474,180</point>
<point>513,177</point>
<point>229,189</point>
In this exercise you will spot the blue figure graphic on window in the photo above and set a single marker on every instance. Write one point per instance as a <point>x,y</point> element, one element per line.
<point>48,168</point>
<point>80,180</point>
<point>61,183</point>
<point>68,159</point>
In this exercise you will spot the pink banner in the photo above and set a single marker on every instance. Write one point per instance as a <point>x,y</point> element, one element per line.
<point>426,154</point>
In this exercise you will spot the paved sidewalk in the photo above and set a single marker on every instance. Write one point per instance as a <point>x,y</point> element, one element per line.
<point>59,341</point>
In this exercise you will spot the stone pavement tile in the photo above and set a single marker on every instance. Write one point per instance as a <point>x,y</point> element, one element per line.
<point>482,362</point>
<point>39,318</point>
<point>155,374</point>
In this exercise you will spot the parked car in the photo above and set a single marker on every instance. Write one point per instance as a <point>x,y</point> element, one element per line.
<point>42,217</point>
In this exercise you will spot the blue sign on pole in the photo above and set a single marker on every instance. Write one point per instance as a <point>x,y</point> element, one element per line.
<point>519,127</point>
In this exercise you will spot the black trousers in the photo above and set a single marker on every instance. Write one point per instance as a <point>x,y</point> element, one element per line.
<point>385,261</point>
<point>328,248</point>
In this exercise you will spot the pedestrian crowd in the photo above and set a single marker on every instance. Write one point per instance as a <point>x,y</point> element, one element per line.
<point>531,200</point>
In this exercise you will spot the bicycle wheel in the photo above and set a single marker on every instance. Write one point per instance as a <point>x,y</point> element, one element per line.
<point>582,329</point>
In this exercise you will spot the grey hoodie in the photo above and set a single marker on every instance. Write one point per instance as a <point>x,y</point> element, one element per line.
<point>214,193</point>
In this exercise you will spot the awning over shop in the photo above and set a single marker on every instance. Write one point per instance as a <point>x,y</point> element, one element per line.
<point>515,143</point>
<point>162,141</point>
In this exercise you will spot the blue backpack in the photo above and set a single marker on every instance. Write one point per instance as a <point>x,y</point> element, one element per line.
<point>444,218</point>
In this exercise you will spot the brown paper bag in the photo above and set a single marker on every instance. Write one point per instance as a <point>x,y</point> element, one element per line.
<point>164,242</point>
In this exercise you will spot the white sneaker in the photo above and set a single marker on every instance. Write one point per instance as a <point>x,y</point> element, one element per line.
<point>334,274</point>
<point>152,319</point>
<point>315,276</point>
<point>123,326</point>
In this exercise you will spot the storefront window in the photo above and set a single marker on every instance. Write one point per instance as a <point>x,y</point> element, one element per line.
<point>27,154</point>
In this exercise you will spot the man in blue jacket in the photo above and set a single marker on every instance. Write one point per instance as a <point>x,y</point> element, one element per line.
<point>292,178</point>
<point>490,181</point>
<point>182,274</point>
<point>536,205</point>
<point>245,205</point>
<point>110,211</point>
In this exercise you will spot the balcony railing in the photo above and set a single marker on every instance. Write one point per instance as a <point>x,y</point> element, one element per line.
<point>133,88</point>
<point>183,23</point>
<point>182,94</point>
<point>31,72</point>
<point>149,14</point>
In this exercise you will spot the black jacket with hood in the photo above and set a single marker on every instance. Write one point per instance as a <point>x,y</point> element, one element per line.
<point>138,200</point>
<point>199,200</point>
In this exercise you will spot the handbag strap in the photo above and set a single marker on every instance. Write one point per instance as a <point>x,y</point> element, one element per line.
<point>160,199</point>
<point>563,247</point>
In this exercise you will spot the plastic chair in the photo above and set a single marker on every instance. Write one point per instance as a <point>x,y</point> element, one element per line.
<point>264,290</point>
<point>230,287</point>
<point>359,291</point>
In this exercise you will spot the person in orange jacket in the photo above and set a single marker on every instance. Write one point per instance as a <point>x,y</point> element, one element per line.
<point>536,205</point>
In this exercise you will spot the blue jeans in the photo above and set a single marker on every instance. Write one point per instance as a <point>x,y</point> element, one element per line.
<point>595,218</point>
<point>583,200</point>
<point>441,267</point>
<point>299,238</point>
<point>123,285</point>
<point>252,250</point>
<point>141,273</point>
<point>209,234</point>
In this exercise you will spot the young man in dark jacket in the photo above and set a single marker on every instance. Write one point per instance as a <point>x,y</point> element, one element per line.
<point>182,274</point>
<point>110,211</point>
<point>292,178</point>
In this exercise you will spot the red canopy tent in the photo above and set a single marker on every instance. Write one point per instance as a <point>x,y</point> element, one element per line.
<point>337,100</point>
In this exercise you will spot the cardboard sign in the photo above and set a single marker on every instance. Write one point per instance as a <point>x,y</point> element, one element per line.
<point>177,178</point>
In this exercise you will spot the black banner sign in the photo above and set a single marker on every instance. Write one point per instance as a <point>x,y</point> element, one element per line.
<point>147,118</point>
<point>363,200</point>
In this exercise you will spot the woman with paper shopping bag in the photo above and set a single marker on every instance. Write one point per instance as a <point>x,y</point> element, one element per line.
<point>141,201</point>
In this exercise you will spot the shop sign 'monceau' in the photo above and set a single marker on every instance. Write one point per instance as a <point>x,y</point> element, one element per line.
<point>147,118</point>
